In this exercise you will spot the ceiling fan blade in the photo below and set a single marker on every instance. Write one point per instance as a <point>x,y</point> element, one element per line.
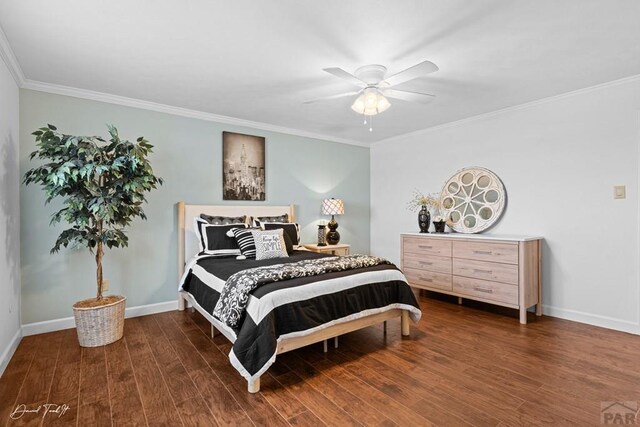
<point>340,73</point>
<point>405,95</point>
<point>418,70</point>
<point>326,98</point>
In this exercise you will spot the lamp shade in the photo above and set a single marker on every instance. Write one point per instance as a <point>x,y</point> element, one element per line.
<point>332,207</point>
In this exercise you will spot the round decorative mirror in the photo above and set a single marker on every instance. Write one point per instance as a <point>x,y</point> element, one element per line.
<point>473,199</point>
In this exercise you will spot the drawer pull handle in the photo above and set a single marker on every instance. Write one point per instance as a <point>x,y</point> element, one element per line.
<point>478,270</point>
<point>483,252</point>
<point>425,279</point>
<point>425,247</point>
<point>425,263</point>
<point>486,291</point>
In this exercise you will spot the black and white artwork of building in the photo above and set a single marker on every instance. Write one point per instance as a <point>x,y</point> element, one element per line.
<point>243,167</point>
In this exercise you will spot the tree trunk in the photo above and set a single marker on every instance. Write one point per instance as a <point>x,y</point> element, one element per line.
<point>99,254</point>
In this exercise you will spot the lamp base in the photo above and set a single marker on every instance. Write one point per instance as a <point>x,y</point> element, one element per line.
<point>333,237</point>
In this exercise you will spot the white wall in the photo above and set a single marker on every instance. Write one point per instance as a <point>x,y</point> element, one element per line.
<point>9,218</point>
<point>559,160</point>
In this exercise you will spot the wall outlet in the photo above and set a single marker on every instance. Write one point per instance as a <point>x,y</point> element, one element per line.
<point>619,192</point>
<point>105,285</point>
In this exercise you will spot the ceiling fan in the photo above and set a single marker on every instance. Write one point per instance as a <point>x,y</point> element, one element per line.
<point>375,87</point>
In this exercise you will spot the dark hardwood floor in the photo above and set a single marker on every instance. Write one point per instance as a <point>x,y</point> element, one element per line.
<point>460,366</point>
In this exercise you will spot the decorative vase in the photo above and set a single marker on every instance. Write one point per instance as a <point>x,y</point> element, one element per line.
<point>424,219</point>
<point>322,235</point>
<point>439,226</point>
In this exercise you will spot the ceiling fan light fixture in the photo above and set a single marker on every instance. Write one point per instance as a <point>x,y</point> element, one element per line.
<point>358,105</point>
<point>370,103</point>
<point>383,104</point>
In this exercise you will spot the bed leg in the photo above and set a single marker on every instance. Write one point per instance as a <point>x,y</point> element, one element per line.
<point>182,302</point>
<point>325,347</point>
<point>384,327</point>
<point>214,331</point>
<point>335,342</point>
<point>254,385</point>
<point>405,323</point>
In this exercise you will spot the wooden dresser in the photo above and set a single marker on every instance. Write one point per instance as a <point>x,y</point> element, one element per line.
<point>502,270</point>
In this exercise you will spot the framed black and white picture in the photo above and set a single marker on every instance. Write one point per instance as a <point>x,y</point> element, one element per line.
<point>243,167</point>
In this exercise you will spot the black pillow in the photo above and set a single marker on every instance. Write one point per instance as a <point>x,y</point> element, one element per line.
<point>218,220</point>
<point>291,230</point>
<point>197,226</point>
<point>287,242</point>
<point>216,241</point>
<point>257,221</point>
<point>245,241</point>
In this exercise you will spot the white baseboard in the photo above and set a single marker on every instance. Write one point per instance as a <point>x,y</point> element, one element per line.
<point>592,319</point>
<point>69,322</point>
<point>7,354</point>
<point>143,310</point>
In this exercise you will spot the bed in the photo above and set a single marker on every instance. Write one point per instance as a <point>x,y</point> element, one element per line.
<point>286,314</point>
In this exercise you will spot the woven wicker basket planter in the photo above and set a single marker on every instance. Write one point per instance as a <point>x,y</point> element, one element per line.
<point>99,326</point>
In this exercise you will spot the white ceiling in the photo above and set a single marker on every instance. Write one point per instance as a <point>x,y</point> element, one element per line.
<point>258,60</point>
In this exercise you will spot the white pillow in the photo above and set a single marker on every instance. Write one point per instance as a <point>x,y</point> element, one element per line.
<point>269,244</point>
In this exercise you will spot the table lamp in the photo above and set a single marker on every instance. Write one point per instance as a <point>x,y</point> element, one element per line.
<point>333,207</point>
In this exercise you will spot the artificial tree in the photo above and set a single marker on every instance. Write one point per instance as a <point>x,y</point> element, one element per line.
<point>103,184</point>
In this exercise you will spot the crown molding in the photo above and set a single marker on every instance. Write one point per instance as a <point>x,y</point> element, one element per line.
<point>9,58</point>
<point>176,111</point>
<point>7,55</point>
<point>507,110</point>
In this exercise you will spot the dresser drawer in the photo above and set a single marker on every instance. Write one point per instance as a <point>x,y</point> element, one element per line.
<point>493,271</point>
<point>484,251</point>
<point>428,279</point>
<point>485,289</point>
<point>427,246</point>
<point>438,264</point>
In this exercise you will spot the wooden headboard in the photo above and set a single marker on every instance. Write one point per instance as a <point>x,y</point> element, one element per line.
<point>187,240</point>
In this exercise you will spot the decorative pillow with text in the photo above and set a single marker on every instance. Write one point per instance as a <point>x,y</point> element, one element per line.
<point>269,244</point>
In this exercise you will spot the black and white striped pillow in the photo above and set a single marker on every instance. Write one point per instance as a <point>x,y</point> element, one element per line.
<point>245,241</point>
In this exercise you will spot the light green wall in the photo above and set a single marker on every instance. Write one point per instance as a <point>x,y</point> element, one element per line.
<point>188,155</point>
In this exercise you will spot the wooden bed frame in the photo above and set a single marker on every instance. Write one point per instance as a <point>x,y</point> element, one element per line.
<point>188,246</point>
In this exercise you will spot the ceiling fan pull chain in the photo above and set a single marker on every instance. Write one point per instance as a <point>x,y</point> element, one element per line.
<point>370,123</point>
<point>365,118</point>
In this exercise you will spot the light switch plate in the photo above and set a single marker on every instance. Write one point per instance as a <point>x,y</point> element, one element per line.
<point>619,192</point>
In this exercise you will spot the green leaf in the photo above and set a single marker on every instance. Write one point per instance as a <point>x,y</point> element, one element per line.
<point>52,127</point>
<point>102,184</point>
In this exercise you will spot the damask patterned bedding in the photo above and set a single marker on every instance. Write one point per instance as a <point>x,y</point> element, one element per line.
<point>296,304</point>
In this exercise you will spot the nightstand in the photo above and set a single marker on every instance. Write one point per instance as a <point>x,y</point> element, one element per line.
<point>339,249</point>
